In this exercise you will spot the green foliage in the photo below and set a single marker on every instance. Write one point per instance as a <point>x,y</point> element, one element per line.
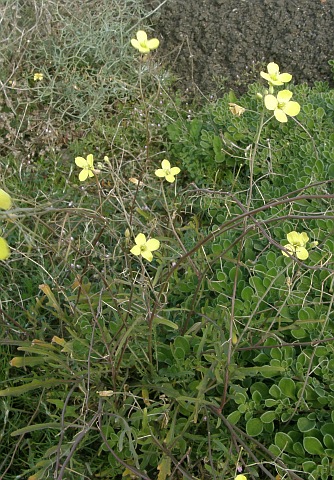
<point>218,353</point>
<point>81,48</point>
<point>215,146</point>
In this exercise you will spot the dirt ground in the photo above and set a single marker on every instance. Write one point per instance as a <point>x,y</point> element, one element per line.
<point>212,43</point>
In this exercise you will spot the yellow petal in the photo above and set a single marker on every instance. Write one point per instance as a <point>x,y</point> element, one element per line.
<point>135,250</point>
<point>153,43</point>
<point>270,102</point>
<point>141,36</point>
<point>266,76</point>
<point>5,200</point>
<point>292,108</point>
<point>160,173</point>
<point>285,77</point>
<point>289,248</point>
<point>80,162</point>
<point>175,170</point>
<point>147,255</point>
<point>273,68</point>
<point>293,238</point>
<point>165,164</point>
<point>170,178</point>
<point>135,43</point>
<point>280,115</point>
<point>4,249</point>
<point>305,238</point>
<point>240,477</point>
<point>140,239</point>
<point>143,49</point>
<point>301,253</point>
<point>153,244</point>
<point>90,160</point>
<point>83,175</point>
<point>284,96</point>
<point>276,82</point>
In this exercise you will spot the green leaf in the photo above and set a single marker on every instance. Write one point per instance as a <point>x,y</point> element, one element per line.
<point>38,426</point>
<point>166,322</point>
<point>234,417</point>
<point>309,466</point>
<point>319,113</point>
<point>298,449</point>
<point>254,427</point>
<point>313,446</point>
<point>19,362</point>
<point>247,293</point>
<point>257,284</point>
<point>304,424</point>
<point>329,441</point>
<point>287,387</point>
<point>270,402</point>
<point>164,468</point>
<point>275,450</point>
<point>217,249</point>
<point>266,371</point>
<point>283,441</point>
<point>179,353</point>
<point>261,388</point>
<point>275,391</point>
<point>182,342</point>
<point>327,428</point>
<point>15,391</point>
<point>268,417</point>
<point>256,396</point>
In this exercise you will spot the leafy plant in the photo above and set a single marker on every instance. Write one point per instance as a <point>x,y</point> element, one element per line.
<point>177,321</point>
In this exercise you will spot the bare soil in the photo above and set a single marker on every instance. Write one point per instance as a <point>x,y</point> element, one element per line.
<point>217,45</point>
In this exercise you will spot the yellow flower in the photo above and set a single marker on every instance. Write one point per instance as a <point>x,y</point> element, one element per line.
<point>142,44</point>
<point>281,105</point>
<point>87,166</point>
<point>5,200</point>
<point>296,245</point>
<point>38,77</point>
<point>4,249</point>
<point>240,477</point>
<point>273,76</point>
<point>236,109</point>
<point>167,171</point>
<point>145,248</point>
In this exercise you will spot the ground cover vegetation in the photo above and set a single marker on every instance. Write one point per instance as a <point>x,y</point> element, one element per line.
<point>166,269</point>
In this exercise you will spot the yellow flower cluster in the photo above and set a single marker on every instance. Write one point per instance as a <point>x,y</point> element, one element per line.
<point>142,248</point>
<point>38,77</point>
<point>296,246</point>
<point>281,104</point>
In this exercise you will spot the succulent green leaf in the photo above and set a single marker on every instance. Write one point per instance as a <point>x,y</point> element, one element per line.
<point>313,446</point>
<point>254,427</point>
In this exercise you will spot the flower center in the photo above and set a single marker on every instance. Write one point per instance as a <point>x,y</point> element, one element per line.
<point>143,248</point>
